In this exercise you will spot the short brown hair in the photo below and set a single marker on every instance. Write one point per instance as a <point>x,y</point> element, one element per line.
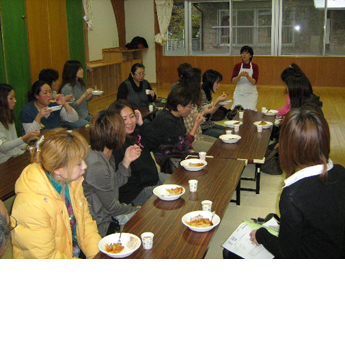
<point>60,148</point>
<point>304,141</point>
<point>107,129</point>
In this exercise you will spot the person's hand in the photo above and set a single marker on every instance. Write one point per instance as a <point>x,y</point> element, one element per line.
<point>253,238</point>
<point>221,98</point>
<point>43,112</point>
<point>151,93</point>
<point>88,91</point>
<point>199,118</point>
<point>31,134</point>
<point>208,109</point>
<point>132,153</point>
<point>139,117</point>
<point>60,99</point>
<point>69,98</point>
<point>276,147</point>
<point>244,74</point>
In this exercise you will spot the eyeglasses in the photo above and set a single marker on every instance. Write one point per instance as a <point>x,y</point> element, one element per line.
<point>140,74</point>
<point>12,223</point>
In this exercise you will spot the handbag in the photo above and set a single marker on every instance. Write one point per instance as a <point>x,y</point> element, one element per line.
<point>231,113</point>
<point>271,165</point>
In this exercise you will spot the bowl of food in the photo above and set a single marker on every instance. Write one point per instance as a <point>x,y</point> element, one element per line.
<point>169,192</point>
<point>230,138</point>
<point>232,123</point>
<point>97,92</point>
<point>193,164</point>
<point>129,244</point>
<point>264,124</point>
<point>55,107</point>
<point>271,112</point>
<point>200,221</point>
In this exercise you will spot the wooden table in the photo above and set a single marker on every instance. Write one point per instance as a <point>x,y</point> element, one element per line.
<point>252,146</point>
<point>173,240</point>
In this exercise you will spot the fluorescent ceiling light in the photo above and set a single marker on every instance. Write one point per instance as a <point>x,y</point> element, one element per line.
<point>331,4</point>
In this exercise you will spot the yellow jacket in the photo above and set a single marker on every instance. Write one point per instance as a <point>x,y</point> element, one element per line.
<point>44,229</point>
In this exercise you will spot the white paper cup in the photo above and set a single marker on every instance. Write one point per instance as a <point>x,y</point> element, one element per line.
<point>263,109</point>
<point>206,205</point>
<point>202,155</point>
<point>229,131</point>
<point>237,128</point>
<point>147,239</point>
<point>147,91</point>
<point>240,114</point>
<point>150,107</point>
<point>259,128</point>
<point>193,185</point>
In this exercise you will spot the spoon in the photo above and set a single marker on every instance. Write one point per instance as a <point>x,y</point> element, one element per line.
<point>212,215</point>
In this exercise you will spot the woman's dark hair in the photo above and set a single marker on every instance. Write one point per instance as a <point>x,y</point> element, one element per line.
<point>136,66</point>
<point>182,68</point>
<point>49,75</point>
<point>107,129</point>
<point>6,115</point>
<point>179,95</point>
<point>291,70</point>
<point>69,73</point>
<point>248,50</point>
<point>304,141</point>
<point>208,79</point>
<point>191,79</point>
<point>117,107</point>
<point>299,89</point>
<point>36,89</point>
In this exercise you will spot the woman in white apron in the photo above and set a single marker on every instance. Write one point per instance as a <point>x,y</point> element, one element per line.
<point>245,75</point>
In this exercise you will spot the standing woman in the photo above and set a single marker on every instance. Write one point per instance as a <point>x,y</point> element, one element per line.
<point>73,83</point>
<point>312,222</point>
<point>50,207</point>
<point>102,180</point>
<point>136,90</point>
<point>10,144</point>
<point>245,75</point>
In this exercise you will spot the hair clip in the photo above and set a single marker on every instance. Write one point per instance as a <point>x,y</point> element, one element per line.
<point>38,143</point>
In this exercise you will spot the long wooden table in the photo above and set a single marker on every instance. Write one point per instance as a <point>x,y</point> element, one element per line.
<point>252,146</point>
<point>172,240</point>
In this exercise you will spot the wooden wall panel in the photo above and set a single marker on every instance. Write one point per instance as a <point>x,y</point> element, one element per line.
<point>321,71</point>
<point>47,35</point>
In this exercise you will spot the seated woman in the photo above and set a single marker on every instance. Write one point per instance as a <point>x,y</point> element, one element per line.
<point>245,74</point>
<point>210,84</point>
<point>50,207</point>
<point>37,113</point>
<point>73,84</point>
<point>312,223</point>
<point>145,176</point>
<point>167,132</point>
<point>102,180</point>
<point>136,90</point>
<point>10,144</point>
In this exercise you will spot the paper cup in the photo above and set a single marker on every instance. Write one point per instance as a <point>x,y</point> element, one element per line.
<point>206,205</point>
<point>229,131</point>
<point>240,114</point>
<point>202,155</point>
<point>147,91</point>
<point>237,128</point>
<point>263,109</point>
<point>147,239</point>
<point>259,128</point>
<point>150,107</point>
<point>193,185</point>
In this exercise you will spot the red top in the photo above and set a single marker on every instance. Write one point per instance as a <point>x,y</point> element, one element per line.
<point>237,69</point>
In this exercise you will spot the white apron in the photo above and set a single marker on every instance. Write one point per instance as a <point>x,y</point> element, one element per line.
<point>245,92</point>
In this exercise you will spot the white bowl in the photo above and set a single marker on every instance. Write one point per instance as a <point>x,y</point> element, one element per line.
<point>204,214</point>
<point>232,123</point>
<point>97,92</point>
<point>230,138</point>
<point>113,238</point>
<point>268,125</point>
<point>271,112</point>
<point>228,101</point>
<point>187,162</point>
<point>162,193</point>
<point>55,107</point>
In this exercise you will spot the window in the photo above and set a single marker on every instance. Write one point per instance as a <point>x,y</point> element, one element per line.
<point>271,27</point>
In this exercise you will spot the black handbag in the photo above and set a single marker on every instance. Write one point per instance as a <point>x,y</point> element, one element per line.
<point>271,165</point>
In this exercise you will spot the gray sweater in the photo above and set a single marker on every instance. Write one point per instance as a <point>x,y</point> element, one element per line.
<point>101,187</point>
<point>10,144</point>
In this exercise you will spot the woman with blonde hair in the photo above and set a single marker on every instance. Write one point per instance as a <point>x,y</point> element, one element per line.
<point>102,179</point>
<point>50,207</point>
